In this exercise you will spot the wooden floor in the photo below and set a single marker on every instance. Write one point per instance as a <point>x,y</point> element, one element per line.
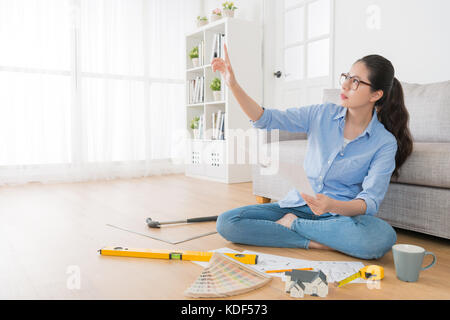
<point>50,234</point>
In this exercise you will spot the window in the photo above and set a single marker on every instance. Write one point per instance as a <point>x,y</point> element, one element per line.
<point>307,36</point>
<point>91,81</point>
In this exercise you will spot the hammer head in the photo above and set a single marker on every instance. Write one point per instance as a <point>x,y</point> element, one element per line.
<point>152,224</point>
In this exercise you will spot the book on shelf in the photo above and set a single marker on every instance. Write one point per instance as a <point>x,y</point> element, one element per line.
<point>222,127</point>
<point>201,125</point>
<point>199,90</point>
<point>202,89</point>
<point>217,47</point>
<point>218,125</point>
<point>196,92</point>
<point>200,93</point>
<point>216,133</point>
<point>201,59</point>
<point>213,121</point>
<point>201,53</point>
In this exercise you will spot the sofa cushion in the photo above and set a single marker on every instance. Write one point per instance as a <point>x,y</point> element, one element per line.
<point>429,110</point>
<point>418,208</point>
<point>428,165</point>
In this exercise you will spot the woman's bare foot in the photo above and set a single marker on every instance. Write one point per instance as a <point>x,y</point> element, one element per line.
<point>287,220</point>
<point>316,245</point>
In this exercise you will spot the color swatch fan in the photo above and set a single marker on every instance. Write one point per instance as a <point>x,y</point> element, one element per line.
<point>224,276</point>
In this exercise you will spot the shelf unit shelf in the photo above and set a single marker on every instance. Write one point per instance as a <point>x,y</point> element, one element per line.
<point>209,158</point>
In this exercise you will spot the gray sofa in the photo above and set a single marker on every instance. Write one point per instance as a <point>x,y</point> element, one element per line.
<point>419,200</point>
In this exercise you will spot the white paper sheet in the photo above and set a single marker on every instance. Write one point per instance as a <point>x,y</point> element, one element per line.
<point>295,174</point>
<point>334,270</point>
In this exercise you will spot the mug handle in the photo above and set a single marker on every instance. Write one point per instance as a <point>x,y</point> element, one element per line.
<point>432,263</point>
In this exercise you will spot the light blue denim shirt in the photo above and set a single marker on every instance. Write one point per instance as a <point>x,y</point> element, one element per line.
<point>360,170</point>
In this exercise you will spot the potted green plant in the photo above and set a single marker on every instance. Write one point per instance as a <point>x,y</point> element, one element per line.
<point>194,127</point>
<point>201,21</point>
<point>193,54</point>
<point>216,14</point>
<point>215,87</point>
<point>228,9</point>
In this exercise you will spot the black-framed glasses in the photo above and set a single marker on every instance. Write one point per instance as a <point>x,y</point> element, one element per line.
<point>354,80</point>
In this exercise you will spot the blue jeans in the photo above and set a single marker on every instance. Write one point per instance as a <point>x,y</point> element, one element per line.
<point>362,236</point>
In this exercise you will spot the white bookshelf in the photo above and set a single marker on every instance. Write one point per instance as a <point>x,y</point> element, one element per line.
<point>209,158</point>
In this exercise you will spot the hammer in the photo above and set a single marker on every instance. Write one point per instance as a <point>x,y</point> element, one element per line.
<point>157,224</point>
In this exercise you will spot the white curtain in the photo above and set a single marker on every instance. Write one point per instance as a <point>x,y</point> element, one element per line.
<point>92,89</point>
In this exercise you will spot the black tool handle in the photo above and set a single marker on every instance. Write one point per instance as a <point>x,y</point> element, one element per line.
<point>202,219</point>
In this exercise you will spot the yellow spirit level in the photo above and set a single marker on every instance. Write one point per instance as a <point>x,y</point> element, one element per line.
<point>372,272</point>
<point>173,255</point>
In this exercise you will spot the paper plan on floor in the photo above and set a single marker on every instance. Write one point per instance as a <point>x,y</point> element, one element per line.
<point>334,270</point>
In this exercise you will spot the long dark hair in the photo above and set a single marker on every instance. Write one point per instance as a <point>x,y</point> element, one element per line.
<point>391,109</point>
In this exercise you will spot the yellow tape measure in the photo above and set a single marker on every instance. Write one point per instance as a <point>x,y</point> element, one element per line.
<point>372,272</point>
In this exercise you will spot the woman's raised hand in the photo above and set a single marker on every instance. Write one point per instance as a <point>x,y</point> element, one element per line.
<point>224,67</point>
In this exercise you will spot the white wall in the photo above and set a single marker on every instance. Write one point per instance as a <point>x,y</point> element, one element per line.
<point>412,34</point>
